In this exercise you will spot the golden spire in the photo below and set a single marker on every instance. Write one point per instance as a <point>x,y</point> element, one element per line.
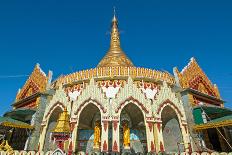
<point>63,123</point>
<point>115,56</point>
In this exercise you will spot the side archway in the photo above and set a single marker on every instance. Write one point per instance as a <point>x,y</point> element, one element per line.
<point>53,117</point>
<point>170,135</point>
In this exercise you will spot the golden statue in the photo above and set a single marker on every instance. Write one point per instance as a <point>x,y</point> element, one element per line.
<point>97,135</point>
<point>126,135</point>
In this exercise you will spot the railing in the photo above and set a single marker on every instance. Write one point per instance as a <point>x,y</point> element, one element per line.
<point>103,72</point>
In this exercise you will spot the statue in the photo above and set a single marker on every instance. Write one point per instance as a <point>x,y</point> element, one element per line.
<point>97,135</point>
<point>126,135</point>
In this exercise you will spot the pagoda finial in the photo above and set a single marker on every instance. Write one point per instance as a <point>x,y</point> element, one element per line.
<point>115,56</point>
<point>114,17</point>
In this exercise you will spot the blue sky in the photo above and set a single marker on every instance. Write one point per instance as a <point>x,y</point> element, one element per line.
<point>67,36</point>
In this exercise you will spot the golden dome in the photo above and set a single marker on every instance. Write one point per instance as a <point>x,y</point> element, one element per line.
<point>115,56</point>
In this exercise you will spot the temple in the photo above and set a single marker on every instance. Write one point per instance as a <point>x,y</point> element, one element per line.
<point>118,107</point>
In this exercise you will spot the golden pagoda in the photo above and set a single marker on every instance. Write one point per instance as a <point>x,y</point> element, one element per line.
<point>62,125</point>
<point>115,56</point>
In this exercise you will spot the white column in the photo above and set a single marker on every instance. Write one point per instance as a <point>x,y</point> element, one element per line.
<point>42,137</point>
<point>185,136</point>
<point>150,137</point>
<point>115,136</point>
<point>104,136</point>
<point>74,137</point>
<point>158,134</point>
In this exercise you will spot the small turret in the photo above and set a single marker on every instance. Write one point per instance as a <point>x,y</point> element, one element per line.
<point>63,125</point>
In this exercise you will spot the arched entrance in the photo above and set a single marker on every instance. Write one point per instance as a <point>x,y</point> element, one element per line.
<point>172,136</point>
<point>132,121</point>
<point>49,144</point>
<point>88,127</point>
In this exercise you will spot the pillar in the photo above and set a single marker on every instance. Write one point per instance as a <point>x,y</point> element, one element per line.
<point>158,136</point>
<point>73,142</point>
<point>104,136</point>
<point>150,136</point>
<point>185,136</point>
<point>42,136</point>
<point>115,136</point>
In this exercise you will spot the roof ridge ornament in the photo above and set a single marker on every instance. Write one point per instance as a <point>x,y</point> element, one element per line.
<point>115,56</point>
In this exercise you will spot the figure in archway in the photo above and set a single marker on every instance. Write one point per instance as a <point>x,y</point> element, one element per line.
<point>126,135</point>
<point>133,131</point>
<point>97,135</point>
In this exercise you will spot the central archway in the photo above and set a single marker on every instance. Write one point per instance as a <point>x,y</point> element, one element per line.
<point>133,115</point>
<point>172,136</point>
<point>87,122</point>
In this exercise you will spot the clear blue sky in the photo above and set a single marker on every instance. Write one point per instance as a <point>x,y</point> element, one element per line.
<point>67,36</point>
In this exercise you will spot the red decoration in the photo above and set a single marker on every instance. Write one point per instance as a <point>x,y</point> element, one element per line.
<point>70,149</point>
<point>105,123</point>
<point>105,146</point>
<point>150,125</point>
<point>161,147</point>
<point>158,126</point>
<point>152,147</point>
<point>115,123</point>
<point>115,146</point>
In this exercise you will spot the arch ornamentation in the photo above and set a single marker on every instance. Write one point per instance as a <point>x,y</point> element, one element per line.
<point>101,108</point>
<point>131,93</point>
<point>51,109</point>
<point>172,105</point>
<point>134,101</point>
<point>58,99</point>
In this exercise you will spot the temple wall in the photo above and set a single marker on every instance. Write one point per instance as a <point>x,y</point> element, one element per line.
<point>195,140</point>
<point>111,107</point>
<point>34,140</point>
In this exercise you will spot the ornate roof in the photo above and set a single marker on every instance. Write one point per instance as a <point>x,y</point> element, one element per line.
<point>37,82</point>
<point>192,76</point>
<point>115,56</point>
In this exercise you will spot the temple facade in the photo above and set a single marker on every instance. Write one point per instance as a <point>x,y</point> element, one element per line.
<point>118,107</point>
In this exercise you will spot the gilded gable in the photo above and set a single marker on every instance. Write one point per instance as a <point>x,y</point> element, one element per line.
<point>36,82</point>
<point>192,76</point>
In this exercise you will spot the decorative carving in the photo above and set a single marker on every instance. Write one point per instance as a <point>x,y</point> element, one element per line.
<point>111,87</point>
<point>150,89</point>
<point>74,91</point>
<point>172,104</point>
<point>135,101</point>
<point>86,102</point>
